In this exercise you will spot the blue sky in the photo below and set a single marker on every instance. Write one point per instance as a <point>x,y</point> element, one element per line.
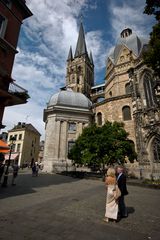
<point>45,38</point>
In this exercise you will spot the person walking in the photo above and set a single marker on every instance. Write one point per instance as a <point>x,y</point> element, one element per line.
<point>1,170</point>
<point>15,173</point>
<point>111,202</point>
<point>121,180</point>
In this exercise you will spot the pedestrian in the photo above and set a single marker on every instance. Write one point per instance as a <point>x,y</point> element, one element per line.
<point>121,180</point>
<point>1,169</point>
<point>37,169</point>
<point>33,170</point>
<point>111,201</point>
<point>15,172</point>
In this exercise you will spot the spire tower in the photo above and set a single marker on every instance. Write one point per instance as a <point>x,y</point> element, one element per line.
<point>80,69</point>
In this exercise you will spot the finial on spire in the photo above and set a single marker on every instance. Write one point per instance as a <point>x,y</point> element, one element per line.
<point>81,18</point>
<point>70,55</point>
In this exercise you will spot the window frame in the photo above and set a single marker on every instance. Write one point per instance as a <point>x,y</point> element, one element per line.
<point>126,115</point>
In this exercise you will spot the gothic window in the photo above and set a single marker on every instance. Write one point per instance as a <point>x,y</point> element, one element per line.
<point>147,81</point>
<point>126,112</point>
<point>156,149</point>
<point>127,88</point>
<point>99,119</point>
<point>77,80</point>
<point>72,127</point>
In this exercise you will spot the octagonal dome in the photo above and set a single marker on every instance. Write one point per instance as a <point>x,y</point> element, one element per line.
<point>69,98</point>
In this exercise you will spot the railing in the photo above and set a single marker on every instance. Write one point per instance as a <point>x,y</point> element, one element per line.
<point>18,91</point>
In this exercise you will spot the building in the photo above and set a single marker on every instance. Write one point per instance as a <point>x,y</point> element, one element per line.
<point>130,94</point>
<point>26,144</point>
<point>66,115</point>
<point>12,14</point>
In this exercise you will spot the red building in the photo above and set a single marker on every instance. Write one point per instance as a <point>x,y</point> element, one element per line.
<point>12,14</point>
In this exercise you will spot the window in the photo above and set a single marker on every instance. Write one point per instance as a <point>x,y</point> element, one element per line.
<point>126,112</point>
<point>72,127</point>
<point>18,147</point>
<point>15,137</point>
<point>10,138</point>
<point>110,93</point>
<point>156,150</point>
<point>99,119</point>
<point>127,88</point>
<point>20,137</point>
<point>13,147</point>
<point>148,89</point>
<point>3,24</point>
<point>70,145</point>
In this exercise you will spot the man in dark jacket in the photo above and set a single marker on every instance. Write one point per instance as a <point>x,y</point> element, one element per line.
<point>121,180</point>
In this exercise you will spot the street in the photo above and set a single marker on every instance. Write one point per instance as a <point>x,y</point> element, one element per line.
<point>58,207</point>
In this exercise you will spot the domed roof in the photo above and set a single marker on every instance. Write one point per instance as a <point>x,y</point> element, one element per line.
<point>131,41</point>
<point>70,99</point>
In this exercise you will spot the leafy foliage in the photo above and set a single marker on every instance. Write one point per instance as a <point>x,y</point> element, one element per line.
<point>102,145</point>
<point>151,55</point>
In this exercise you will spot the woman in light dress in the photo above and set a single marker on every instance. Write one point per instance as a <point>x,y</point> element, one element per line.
<point>111,202</point>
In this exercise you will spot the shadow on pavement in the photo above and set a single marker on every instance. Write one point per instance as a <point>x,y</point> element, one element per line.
<point>25,183</point>
<point>130,210</point>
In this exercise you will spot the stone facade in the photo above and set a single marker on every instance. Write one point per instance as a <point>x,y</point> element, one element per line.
<point>63,126</point>
<point>130,94</point>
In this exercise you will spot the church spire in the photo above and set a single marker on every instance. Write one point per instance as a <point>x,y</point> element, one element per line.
<point>70,56</point>
<point>81,48</point>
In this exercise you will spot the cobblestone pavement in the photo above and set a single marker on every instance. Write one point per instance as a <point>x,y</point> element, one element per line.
<point>60,207</point>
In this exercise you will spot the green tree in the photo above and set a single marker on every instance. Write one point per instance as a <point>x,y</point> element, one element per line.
<point>102,145</point>
<point>151,56</point>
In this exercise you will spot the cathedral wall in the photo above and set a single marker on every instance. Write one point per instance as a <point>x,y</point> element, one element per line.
<point>112,111</point>
<point>117,86</point>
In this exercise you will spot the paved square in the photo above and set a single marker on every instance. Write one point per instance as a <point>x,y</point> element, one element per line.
<point>60,207</point>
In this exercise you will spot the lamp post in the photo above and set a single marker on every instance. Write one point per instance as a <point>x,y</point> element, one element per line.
<point>5,180</point>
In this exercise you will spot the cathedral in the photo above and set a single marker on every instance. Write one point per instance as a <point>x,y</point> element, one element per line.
<point>130,94</point>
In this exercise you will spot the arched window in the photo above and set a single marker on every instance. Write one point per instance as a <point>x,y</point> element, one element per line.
<point>127,88</point>
<point>156,150</point>
<point>147,82</point>
<point>126,111</point>
<point>99,119</point>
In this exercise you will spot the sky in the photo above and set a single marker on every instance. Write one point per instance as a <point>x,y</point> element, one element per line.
<point>45,39</point>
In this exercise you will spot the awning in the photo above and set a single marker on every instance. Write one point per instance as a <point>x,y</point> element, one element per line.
<point>14,156</point>
<point>4,148</point>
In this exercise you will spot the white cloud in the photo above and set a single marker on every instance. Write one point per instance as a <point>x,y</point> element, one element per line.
<point>40,65</point>
<point>129,14</point>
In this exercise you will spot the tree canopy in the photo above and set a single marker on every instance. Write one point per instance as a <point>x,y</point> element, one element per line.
<point>97,146</point>
<point>151,55</point>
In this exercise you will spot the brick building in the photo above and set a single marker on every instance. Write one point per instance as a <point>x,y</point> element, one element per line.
<point>12,14</point>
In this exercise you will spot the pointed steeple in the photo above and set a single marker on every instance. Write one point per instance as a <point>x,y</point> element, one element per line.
<point>81,48</point>
<point>70,56</point>
<point>91,58</point>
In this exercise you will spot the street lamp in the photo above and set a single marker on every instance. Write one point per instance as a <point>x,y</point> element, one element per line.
<point>5,180</point>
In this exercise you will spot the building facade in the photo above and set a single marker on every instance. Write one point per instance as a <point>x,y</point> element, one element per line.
<point>26,144</point>
<point>12,14</point>
<point>66,115</point>
<point>130,94</point>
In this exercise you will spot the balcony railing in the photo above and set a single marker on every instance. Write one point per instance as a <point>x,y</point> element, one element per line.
<point>18,91</point>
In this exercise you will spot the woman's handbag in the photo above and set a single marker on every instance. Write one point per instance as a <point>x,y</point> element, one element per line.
<point>116,192</point>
